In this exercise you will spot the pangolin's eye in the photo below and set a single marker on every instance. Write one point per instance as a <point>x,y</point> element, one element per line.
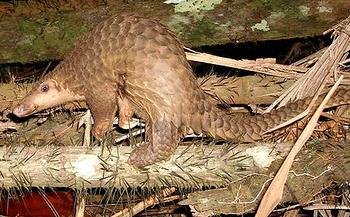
<point>44,88</point>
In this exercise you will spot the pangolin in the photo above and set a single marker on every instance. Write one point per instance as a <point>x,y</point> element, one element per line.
<point>137,65</point>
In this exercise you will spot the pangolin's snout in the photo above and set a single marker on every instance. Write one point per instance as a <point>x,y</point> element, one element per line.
<point>23,110</point>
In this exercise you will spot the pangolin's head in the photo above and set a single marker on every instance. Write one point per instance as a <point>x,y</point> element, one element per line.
<point>46,94</point>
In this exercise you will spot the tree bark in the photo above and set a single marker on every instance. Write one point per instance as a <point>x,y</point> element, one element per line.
<point>44,30</point>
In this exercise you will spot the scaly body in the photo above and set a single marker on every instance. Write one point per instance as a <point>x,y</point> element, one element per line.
<point>139,64</point>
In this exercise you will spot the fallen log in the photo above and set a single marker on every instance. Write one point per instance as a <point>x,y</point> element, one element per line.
<point>238,173</point>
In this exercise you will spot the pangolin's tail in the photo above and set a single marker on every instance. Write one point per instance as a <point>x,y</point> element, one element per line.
<point>218,124</point>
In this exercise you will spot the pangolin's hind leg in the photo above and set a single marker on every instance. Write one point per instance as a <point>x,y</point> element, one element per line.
<point>161,141</point>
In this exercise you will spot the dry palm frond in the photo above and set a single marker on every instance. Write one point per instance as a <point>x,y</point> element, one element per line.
<point>316,78</point>
<point>260,65</point>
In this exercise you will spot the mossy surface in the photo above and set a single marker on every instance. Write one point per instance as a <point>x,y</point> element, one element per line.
<point>52,38</point>
<point>51,33</point>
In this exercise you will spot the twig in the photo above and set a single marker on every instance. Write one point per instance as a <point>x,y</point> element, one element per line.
<point>61,133</point>
<point>326,206</point>
<point>150,201</point>
<point>290,121</point>
<point>49,204</point>
<point>311,59</point>
<point>329,168</point>
<point>129,135</point>
<point>285,71</point>
<point>237,200</point>
<point>80,204</point>
<point>336,118</point>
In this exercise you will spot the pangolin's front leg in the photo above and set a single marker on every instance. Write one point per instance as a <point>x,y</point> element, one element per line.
<point>103,110</point>
<point>161,141</point>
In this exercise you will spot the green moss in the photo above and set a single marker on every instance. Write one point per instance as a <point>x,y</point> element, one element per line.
<point>295,13</point>
<point>203,32</point>
<point>290,8</point>
<point>259,4</point>
<point>46,36</point>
